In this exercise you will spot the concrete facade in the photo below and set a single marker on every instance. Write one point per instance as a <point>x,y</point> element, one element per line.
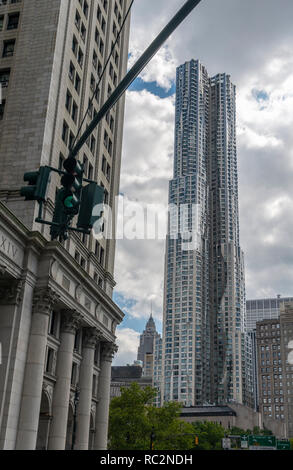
<point>55,339</point>
<point>53,70</point>
<point>235,414</point>
<point>57,317</point>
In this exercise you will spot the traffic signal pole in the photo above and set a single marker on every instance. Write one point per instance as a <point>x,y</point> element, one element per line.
<point>73,196</point>
<point>135,71</point>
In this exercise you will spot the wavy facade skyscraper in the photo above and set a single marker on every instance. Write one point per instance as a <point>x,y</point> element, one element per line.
<point>204,302</point>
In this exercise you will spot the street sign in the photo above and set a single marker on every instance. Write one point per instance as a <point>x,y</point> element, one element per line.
<point>226,443</point>
<point>262,441</point>
<point>244,443</point>
<point>283,445</point>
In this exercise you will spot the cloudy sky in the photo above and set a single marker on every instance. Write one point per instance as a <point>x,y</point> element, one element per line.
<point>251,40</point>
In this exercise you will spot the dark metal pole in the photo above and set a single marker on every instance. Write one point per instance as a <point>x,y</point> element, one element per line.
<point>135,71</point>
<point>76,400</point>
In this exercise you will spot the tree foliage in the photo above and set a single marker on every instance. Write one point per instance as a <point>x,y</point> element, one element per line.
<point>209,435</point>
<point>133,419</point>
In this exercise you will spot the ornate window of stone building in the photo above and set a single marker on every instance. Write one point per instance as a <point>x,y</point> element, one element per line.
<point>50,364</point>
<point>77,341</point>
<point>54,324</point>
<point>74,374</point>
<point>97,356</point>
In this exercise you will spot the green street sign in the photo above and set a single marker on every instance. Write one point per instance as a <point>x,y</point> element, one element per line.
<point>283,445</point>
<point>263,441</point>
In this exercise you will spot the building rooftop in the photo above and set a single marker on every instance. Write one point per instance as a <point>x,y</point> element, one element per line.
<point>126,372</point>
<point>209,410</point>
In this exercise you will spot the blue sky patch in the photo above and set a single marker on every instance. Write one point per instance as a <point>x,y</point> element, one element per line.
<point>260,95</point>
<point>136,324</point>
<point>139,84</point>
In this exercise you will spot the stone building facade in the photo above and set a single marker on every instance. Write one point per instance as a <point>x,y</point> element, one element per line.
<point>275,370</point>
<point>286,330</point>
<point>57,335</point>
<point>49,75</point>
<point>58,320</point>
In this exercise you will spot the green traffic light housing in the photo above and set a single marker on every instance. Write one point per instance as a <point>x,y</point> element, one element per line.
<point>72,183</point>
<point>60,217</point>
<point>70,202</point>
<point>92,196</point>
<point>37,184</point>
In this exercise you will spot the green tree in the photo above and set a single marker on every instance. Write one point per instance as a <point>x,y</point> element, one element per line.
<point>171,433</point>
<point>235,431</point>
<point>129,426</point>
<point>209,435</point>
<point>133,419</point>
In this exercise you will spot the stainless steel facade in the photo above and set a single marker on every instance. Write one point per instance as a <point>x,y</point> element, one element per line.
<point>203,336</point>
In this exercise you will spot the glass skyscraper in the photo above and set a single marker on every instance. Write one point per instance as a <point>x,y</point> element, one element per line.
<point>204,301</point>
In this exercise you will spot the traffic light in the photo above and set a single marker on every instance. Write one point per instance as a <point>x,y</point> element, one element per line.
<point>37,184</point>
<point>92,195</point>
<point>72,184</point>
<point>60,217</point>
<point>196,440</point>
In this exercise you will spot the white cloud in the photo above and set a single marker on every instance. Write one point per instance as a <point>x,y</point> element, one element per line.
<point>160,69</point>
<point>147,165</point>
<point>252,41</point>
<point>127,341</point>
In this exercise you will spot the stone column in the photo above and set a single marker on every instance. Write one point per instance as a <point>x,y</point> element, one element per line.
<point>43,302</point>
<point>102,413</point>
<point>90,338</point>
<point>11,296</point>
<point>69,324</point>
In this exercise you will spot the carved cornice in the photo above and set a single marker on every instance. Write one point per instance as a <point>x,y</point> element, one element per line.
<point>108,351</point>
<point>11,291</point>
<point>90,337</point>
<point>44,300</point>
<point>70,321</point>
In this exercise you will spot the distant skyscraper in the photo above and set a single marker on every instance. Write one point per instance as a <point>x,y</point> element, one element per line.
<point>146,347</point>
<point>203,338</point>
